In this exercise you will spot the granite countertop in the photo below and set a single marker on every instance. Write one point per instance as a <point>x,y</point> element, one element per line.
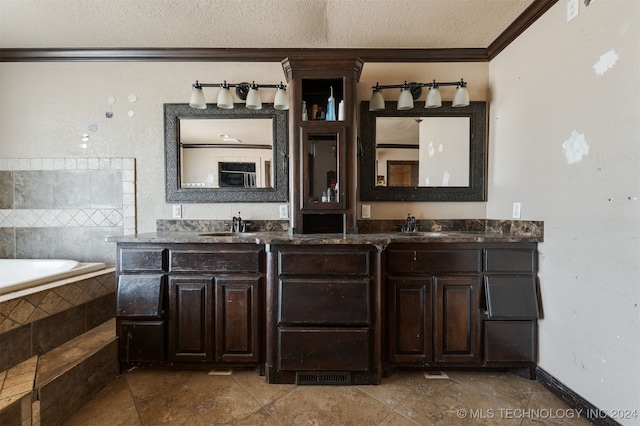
<point>378,239</point>
<point>374,232</point>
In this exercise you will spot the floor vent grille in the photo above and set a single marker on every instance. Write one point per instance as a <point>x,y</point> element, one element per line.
<point>317,378</point>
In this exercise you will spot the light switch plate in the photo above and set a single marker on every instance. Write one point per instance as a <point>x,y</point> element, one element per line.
<point>366,211</point>
<point>177,211</point>
<point>284,211</point>
<point>516,210</point>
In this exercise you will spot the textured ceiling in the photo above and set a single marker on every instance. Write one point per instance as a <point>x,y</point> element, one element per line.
<point>255,23</point>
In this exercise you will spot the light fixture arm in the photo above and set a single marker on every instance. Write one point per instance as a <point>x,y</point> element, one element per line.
<point>242,89</point>
<point>415,85</point>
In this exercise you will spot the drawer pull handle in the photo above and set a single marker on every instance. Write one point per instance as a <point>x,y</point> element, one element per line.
<point>415,255</point>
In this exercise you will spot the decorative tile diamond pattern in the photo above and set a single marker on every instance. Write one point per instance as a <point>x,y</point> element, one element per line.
<point>89,217</point>
<point>24,310</point>
<point>41,218</point>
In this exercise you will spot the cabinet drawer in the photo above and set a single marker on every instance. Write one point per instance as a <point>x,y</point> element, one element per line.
<point>503,260</point>
<point>324,301</point>
<point>323,263</point>
<point>334,349</point>
<point>207,261</point>
<point>142,259</point>
<point>434,261</point>
<point>513,341</point>
<point>140,296</point>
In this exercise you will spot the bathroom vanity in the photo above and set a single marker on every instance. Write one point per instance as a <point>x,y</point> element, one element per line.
<point>328,308</point>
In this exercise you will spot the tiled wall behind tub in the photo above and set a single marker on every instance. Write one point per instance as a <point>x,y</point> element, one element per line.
<point>65,207</point>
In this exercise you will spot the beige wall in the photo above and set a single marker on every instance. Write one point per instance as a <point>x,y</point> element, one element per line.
<point>46,107</point>
<point>547,88</point>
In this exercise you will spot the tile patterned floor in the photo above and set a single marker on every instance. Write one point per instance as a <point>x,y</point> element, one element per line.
<point>169,397</point>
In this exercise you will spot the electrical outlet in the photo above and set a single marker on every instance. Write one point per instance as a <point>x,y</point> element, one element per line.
<point>177,211</point>
<point>284,211</point>
<point>366,211</point>
<point>516,210</point>
<point>573,7</point>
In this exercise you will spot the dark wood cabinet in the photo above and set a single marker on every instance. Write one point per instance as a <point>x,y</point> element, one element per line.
<point>324,314</point>
<point>190,318</point>
<point>433,308</point>
<point>204,309</point>
<point>453,305</point>
<point>328,313</point>
<point>510,329</point>
<point>456,319</point>
<point>238,318</point>
<point>410,319</point>
<point>323,152</point>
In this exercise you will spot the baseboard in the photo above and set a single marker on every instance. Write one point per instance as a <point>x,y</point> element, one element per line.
<point>589,411</point>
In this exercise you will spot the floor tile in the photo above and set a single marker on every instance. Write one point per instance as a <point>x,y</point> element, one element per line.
<point>175,397</point>
<point>507,387</point>
<point>445,402</point>
<point>327,405</point>
<point>198,398</point>
<point>260,390</point>
<point>113,405</point>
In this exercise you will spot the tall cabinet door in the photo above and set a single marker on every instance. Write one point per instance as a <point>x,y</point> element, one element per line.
<point>324,167</point>
<point>237,319</point>
<point>456,318</point>
<point>410,319</point>
<point>190,318</point>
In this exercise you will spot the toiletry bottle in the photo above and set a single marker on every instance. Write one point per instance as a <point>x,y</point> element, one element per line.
<point>341,111</point>
<point>331,107</point>
<point>305,115</point>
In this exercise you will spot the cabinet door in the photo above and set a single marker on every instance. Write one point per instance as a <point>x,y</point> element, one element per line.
<point>237,319</point>
<point>190,318</point>
<point>141,341</point>
<point>410,313</point>
<point>456,334</point>
<point>323,167</point>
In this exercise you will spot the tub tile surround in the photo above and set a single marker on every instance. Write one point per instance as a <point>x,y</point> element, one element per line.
<point>32,323</point>
<point>65,207</point>
<point>16,385</point>
<point>71,374</point>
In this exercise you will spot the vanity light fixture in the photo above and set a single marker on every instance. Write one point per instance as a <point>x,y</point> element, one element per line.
<point>412,91</point>
<point>246,91</point>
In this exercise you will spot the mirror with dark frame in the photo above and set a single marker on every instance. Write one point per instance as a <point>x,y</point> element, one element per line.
<point>218,155</point>
<point>423,154</point>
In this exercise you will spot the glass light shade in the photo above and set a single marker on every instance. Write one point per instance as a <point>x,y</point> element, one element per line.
<point>197,100</point>
<point>434,100</point>
<point>405,101</point>
<point>225,100</point>
<point>253,99</point>
<point>461,99</point>
<point>281,100</point>
<point>377,101</point>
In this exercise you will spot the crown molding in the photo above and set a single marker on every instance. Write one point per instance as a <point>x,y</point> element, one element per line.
<point>521,23</point>
<point>239,54</point>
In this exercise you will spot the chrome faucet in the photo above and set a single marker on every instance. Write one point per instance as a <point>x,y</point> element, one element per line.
<point>237,224</point>
<point>410,224</point>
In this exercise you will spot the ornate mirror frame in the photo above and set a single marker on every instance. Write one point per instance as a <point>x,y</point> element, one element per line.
<point>476,191</point>
<point>173,113</point>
